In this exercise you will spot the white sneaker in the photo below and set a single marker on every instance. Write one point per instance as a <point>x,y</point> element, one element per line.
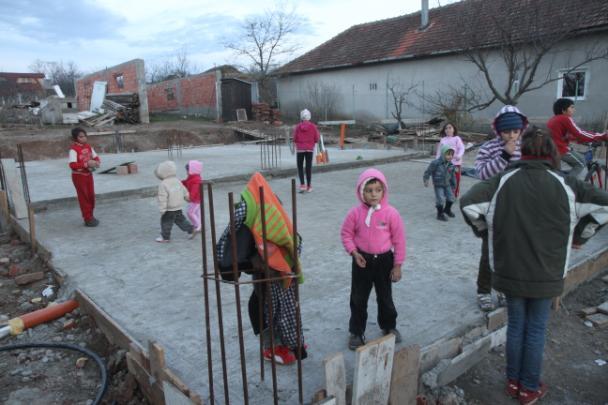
<point>485,302</point>
<point>160,239</point>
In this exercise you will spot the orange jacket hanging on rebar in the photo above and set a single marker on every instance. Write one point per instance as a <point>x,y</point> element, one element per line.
<point>279,229</point>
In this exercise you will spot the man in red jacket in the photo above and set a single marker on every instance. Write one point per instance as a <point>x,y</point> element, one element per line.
<point>83,161</point>
<point>563,130</point>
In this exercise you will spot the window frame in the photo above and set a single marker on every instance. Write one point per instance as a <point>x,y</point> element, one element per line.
<point>560,83</point>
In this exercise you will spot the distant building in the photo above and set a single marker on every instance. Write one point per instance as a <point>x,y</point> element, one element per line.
<point>21,88</point>
<point>428,48</point>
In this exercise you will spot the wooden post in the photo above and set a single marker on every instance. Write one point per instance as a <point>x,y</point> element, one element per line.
<point>32,223</point>
<point>373,368</point>
<point>342,135</point>
<point>335,377</point>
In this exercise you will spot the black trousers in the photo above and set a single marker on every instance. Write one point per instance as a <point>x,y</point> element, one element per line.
<point>484,276</point>
<point>376,274</point>
<point>300,160</point>
<point>169,218</point>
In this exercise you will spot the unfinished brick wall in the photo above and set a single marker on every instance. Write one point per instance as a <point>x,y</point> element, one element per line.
<point>190,95</point>
<point>128,77</point>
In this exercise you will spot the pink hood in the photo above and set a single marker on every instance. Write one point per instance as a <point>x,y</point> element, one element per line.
<point>383,232</point>
<point>372,174</point>
<point>195,167</point>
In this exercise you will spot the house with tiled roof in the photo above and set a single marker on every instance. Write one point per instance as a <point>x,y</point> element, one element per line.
<point>427,51</point>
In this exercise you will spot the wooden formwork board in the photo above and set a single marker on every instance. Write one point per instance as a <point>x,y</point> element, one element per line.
<point>149,369</point>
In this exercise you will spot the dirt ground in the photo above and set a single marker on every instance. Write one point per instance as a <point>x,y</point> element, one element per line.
<point>569,367</point>
<point>53,376</point>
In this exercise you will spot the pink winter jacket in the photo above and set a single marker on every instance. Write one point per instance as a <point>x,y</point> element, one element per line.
<point>386,230</point>
<point>305,135</point>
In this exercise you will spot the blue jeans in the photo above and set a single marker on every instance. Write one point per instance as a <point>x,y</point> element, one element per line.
<point>526,339</point>
<point>443,194</point>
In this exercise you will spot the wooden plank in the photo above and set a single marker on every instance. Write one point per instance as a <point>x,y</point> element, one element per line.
<point>384,369</point>
<point>346,122</point>
<point>373,367</point>
<point>113,332</point>
<point>14,187</point>
<point>153,392</point>
<point>404,379</point>
<point>174,396</point>
<point>157,360</point>
<point>335,377</point>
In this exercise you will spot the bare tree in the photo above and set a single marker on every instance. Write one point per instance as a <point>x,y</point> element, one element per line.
<point>58,73</point>
<point>179,66</point>
<point>400,93</point>
<point>521,34</point>
<point>263,40</point>
<point>321,99</point>
<point>453,103</point>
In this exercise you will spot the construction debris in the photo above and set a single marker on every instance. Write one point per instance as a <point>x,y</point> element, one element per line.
<point>263,112</point>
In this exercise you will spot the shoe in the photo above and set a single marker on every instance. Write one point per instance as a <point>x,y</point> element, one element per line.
<point>302,188</point>
<point>448,210</point>
<point>485,302</point>
<point>355,341</point>
<point>394,332</point>
<point>93,222</point>
<point>512,388</point>
<point>309,189</point>
<point>527,397</point>
<point>282,355</point>
<point>160,239</point>
<point>192,234</point>
<point>502,299</point>
<point>440,215</point>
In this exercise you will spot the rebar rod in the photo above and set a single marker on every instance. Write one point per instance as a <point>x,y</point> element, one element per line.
<point>237,293</point>
<point>218,295</point>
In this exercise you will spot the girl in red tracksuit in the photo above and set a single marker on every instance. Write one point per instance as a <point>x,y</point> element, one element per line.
<point>83,161</point>
<point>193,185</point>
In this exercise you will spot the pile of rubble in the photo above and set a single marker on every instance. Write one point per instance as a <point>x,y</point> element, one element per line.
<point>596,316</point>
<point>117,107</point>
<point>263,112</point>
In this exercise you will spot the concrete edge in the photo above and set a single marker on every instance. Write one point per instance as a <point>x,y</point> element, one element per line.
<point>150,191</point>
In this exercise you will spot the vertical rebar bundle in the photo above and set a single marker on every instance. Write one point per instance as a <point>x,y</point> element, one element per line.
<point>174,144</point>
<point>262,279</point>
<point>270,152</point>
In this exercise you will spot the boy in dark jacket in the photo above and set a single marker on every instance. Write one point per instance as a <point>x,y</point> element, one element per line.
<point>444,181</point>
<point>529,212</point>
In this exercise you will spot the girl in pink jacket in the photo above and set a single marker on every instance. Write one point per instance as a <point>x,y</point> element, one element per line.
<point>374,235</point>
<point>305,136</point>
<point>450,138</point>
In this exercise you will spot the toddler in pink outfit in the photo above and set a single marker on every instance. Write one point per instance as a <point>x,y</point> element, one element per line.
<point>374,235</point>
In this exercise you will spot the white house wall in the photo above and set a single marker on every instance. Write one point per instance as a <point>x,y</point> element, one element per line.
<point>359,99</point>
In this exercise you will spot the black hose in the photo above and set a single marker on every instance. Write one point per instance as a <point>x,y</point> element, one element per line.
<point>102,367</point>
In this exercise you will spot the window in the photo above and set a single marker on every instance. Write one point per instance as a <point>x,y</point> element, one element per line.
<point>170,94</point>
<point>23,80</point>
<point>373,86</point>
<point>120,80</point>
<point>573,84</point>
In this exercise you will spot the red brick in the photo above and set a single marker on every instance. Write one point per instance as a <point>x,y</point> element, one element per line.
<point>29,278</point>
<point>14,270</point>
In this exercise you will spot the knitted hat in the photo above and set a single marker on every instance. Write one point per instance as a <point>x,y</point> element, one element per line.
<point>305,115</point>
<point>509,120</point>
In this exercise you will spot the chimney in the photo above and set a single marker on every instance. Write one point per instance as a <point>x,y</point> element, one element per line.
<point>424,14</point>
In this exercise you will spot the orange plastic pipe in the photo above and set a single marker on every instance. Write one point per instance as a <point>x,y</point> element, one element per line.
<point>23,322</point>
<point>342,135</point>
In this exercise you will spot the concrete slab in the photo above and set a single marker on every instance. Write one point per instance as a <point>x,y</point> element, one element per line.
<point>51,180</point>
<point>155,291</point>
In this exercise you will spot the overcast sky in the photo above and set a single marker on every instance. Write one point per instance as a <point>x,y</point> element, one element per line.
<point>103,33</point>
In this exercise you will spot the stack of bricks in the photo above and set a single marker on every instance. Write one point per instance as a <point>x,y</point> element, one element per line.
<point>263,112</point>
